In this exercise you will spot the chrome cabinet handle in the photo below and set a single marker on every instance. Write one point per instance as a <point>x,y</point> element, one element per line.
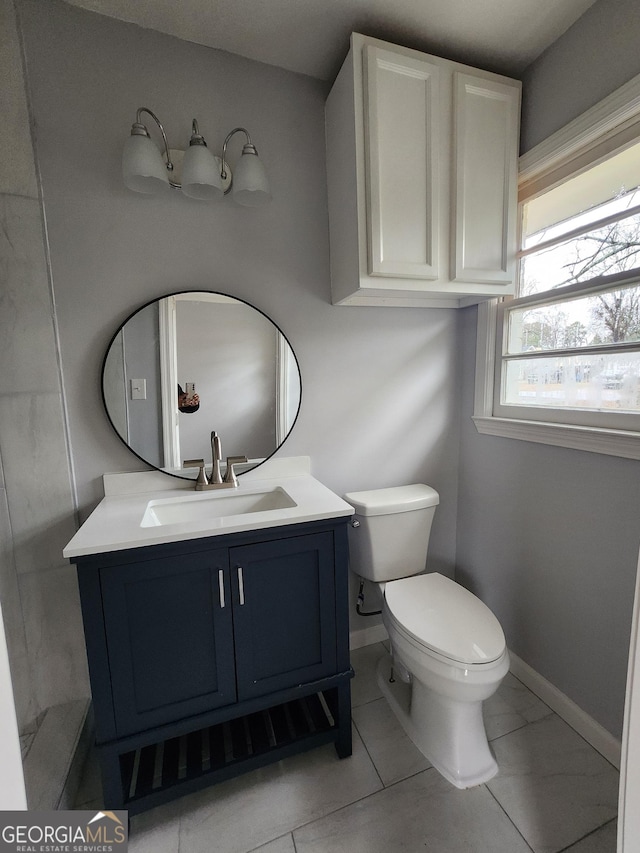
<point>241,585</point>
<point>221,587</point>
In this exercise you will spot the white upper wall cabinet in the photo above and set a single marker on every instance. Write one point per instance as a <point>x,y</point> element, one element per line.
<point>401,168</point>
<point>422,178</point>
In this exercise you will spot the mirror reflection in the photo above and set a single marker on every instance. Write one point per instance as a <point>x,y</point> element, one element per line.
<point>186,364</point>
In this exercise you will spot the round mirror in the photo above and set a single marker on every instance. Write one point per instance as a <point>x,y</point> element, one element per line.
<point>191,363</point>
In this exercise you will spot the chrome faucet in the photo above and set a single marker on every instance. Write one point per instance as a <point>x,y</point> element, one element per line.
<point>216,452</point>
<point>215,481</point>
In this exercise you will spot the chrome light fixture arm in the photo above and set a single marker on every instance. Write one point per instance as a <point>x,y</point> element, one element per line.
<point>139,129</point>
<point>248,145</point>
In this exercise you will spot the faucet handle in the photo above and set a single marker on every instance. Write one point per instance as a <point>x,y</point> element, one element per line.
<point>230,474</point>
<point>196,463</point>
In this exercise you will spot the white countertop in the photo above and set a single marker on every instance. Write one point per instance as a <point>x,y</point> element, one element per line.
<point>115,524</point>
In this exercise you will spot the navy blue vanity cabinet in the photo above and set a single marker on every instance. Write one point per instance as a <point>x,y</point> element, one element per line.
<point>168,628</point>
<point>216,655</point>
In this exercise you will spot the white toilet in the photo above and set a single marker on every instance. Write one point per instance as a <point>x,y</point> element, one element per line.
<point>448,649</point>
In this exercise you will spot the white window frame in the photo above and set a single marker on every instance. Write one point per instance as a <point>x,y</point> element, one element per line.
<point>608,126</point>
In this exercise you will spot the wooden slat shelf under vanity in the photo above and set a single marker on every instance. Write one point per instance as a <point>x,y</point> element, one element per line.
<point>216,752</point>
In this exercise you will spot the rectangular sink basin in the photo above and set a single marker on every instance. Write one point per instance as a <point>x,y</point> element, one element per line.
<point>213,506</point>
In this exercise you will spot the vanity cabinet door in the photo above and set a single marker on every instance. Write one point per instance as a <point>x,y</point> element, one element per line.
<point>284,612</point>
<point>169,636</point>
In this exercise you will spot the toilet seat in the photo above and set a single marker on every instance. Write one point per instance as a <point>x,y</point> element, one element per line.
<point>445,618</point>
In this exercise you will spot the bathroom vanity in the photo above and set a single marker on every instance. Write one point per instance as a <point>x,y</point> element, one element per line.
<point>216,631</point>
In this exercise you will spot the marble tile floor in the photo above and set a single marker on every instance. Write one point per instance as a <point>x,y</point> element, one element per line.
<point>553,793</point>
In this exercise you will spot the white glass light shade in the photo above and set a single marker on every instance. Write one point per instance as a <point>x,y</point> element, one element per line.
<point>143,169</point>
<point>201,174</point>
<point>250,185</point>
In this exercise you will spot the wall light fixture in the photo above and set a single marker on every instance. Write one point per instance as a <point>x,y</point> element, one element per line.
<point>196,171</point>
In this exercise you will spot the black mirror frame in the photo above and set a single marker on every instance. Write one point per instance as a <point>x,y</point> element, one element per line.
<point>158,299</point>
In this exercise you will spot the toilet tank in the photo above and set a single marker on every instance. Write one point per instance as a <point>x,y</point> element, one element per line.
<point>389,536</point>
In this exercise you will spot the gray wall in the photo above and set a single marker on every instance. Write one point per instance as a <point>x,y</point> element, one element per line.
<point>380,401</point>
<point>597,55</point>
<point>547,536</point>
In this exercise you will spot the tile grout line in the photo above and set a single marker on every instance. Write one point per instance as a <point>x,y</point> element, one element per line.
<point>533,723</point>
<point>525,725</point>
<point>570,724</point>
<point>325,814</point>
<point>359,800</point>
<point>368,702</point>
<point>510,732</point>
<point>366,749</point>
<point>508,816</point>
<point>277,838</point>
<point>588,835</point>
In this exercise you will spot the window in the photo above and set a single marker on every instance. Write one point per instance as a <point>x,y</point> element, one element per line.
<point>560,362</point>
<point>571,340</point>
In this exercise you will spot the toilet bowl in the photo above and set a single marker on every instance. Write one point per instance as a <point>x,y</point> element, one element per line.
<point>450,673</point>
<point>448,651</point>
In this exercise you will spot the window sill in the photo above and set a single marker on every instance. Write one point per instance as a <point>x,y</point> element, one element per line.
<point>595,440</point>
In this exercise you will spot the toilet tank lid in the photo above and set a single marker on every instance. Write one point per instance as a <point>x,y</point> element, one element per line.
<point>395,499</point>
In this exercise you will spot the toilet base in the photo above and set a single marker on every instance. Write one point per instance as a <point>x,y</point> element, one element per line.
<point>450,734</point>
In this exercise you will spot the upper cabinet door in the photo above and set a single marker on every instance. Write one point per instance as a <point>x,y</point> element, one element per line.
<point>485,180</point>
<point>401,139</point>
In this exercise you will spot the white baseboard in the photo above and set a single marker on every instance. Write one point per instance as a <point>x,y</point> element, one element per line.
<point>367,636</point>
<point>607,745</point>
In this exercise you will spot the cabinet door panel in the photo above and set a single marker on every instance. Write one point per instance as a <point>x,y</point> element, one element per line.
<point>486,132</point>
<point>401,133</point>
<point>169,639</point>
<point>285,629</point>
